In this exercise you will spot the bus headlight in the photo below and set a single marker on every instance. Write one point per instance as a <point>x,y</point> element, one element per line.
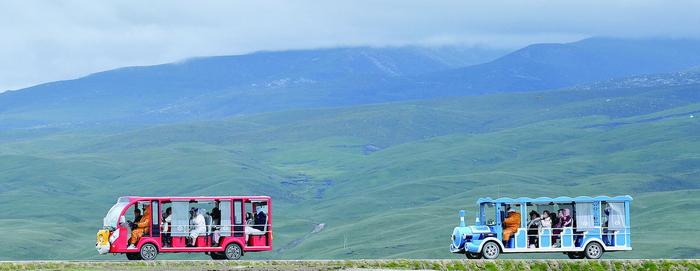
<point>113,237</point>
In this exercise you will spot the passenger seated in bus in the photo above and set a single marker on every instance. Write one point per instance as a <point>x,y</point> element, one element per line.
<point>546,222</point>
<point>568,219</point>
<point>249,230</point>
<point>260,219</point>
<point>199,226</point>
<point>511,224</point>
<point>564,220</point>
<point>607,236</point>
<point>533,228</point>
<point>555,219</point>
<point>216,223</point>
<point>166,222</point>
<point>137,217</point>
<point>141,227</point>
<point>556,230</point>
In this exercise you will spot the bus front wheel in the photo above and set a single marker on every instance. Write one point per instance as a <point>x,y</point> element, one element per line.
<point>149,252</point>
<point>490,250</point>
<point>233,252</point>
<point>593,250</point>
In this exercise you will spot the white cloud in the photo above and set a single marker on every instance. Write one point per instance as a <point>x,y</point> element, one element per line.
<point>52,40</point>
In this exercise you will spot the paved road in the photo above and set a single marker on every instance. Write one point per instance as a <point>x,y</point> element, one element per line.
<point>389,264</point>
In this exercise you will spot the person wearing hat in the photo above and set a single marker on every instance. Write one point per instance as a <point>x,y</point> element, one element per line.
<point>511,224</point>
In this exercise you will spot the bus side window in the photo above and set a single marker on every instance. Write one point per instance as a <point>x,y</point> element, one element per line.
<point>181,219</point>
<point>155,219</point>
<point>225,207</point>
<point>238,218</point>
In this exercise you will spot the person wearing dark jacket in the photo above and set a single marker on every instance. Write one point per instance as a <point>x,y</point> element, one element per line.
<point>533,228</point>
<point>216,223</point>
<point>260,219</point>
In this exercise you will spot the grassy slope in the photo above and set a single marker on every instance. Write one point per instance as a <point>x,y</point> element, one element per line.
<point>435,157</point>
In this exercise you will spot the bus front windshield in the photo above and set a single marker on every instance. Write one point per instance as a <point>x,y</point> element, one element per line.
<point>487,214</point>
<point>112,216</point>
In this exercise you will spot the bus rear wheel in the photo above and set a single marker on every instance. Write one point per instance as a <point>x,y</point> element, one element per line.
<point>149,252</point>
<point>133,256</point>
<point>472,255</point>
<point>233,252</point>
<point>490,250</point>
<point>593,250</point>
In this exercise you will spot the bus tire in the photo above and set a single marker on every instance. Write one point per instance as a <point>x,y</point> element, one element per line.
<point>490,250</point>
<point>594,250</point>
<point>472,255</point>
<point>575,255</point>
<point>233,252</point>
<point>133,256</point>
<point>148,252</point>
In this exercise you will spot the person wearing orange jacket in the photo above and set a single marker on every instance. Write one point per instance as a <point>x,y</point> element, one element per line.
<point>511,224</point>
<point>141,227</point>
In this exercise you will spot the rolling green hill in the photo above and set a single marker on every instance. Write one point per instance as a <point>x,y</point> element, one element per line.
<point>386,180</point>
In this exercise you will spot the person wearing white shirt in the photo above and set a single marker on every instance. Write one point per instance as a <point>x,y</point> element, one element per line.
<point>199,226</point>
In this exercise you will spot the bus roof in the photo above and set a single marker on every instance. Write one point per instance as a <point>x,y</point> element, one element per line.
<point>553,200</point>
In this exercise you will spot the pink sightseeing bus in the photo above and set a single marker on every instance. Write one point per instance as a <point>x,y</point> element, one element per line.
<point>224,227</point>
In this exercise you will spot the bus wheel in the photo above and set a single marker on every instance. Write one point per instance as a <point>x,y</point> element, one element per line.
<point>490,250</point>
<point>233,252</point>
<point>217,256</point>
<point>472,255</point>
<point>133,256</point>
<point>575,255</point>
<point>593,250</point>
<point>149,252</point>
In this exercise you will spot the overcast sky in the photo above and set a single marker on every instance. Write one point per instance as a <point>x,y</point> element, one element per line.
<point>53,40</point>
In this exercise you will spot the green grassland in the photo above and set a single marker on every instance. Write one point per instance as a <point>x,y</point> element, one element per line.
<point>387,180</point>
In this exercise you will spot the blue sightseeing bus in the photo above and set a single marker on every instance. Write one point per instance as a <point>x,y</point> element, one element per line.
<point>580,227</point>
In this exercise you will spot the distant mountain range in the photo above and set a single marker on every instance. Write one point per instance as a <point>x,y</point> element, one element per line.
<point>215,87</point>
<point>547,66</point>
<point>211,87</point>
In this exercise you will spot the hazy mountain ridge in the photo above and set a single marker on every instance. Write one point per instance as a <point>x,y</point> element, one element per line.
<point>548,66</point>
<point>212,87</point>
<point>218,87</point>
